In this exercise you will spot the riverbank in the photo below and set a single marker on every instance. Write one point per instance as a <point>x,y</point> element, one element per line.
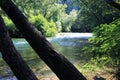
<point>82,35</point>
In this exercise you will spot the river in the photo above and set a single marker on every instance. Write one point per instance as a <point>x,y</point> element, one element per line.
<point>68,44</point>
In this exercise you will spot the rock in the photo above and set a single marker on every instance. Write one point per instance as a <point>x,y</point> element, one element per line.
<point>98,78</point>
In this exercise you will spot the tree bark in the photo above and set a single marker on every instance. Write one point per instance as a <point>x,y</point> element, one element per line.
<point>58,63</point>
<point>12,57</point>
<point>113,3</point>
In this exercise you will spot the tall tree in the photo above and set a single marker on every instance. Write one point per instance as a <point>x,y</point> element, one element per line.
<point>12,57</point>
<point>93,13</point>
<point>58,63</point>
<point>50,9</point>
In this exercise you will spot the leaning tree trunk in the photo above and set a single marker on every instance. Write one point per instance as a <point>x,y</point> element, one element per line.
<point>12,57</point>
<point>58,63</point>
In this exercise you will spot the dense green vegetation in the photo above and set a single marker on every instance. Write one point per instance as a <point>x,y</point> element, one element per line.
<point>48,29</point>
<point>103,20</point>
<point>92,14</point>
<point>43,14</point>
<point>51,17</point>
<point>106,38</point>
<point>88,15</point>
<point>105,45</point>
<point>106,41</point>
<point>11,27</point>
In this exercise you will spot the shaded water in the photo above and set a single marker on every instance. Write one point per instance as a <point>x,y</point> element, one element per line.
<point>68,44</point>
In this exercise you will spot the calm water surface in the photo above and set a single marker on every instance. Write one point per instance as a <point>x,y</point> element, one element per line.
<point>67,44</point>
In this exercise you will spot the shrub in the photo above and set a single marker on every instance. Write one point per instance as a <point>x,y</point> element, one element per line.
<point>67,20</point>
<point>11,28</point>
<point>105,44</point>
<point>48,29</point>
<point>106,41</point>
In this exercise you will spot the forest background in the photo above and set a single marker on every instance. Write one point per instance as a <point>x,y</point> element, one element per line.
<point>51,17</point>
<point>55,16</point>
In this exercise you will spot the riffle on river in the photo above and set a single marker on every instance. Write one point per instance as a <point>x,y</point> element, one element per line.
<point>68,44</point>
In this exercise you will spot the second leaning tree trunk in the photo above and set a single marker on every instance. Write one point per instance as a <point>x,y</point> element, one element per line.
<point>58,63</point>
<point>12,57</point>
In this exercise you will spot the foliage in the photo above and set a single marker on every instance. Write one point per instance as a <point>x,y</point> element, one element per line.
<point>92,14</point>
<point>59,26</point>
<point>38,11</point>
<point>47,28</point>
<point>11,28</point>
<point>33,6</point>
<point>50,9</point>
<point>106,41</point>
<point>54,12</point>
<point>105,46</point>
<point>67,20</point>
<point>96,63</point>
<point>88,15</point>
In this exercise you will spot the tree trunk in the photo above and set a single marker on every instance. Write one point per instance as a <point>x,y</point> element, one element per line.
<point>58,63</point>
<point>12,57</point>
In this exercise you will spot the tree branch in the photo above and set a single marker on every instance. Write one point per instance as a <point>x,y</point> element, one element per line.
<point>113,3</point>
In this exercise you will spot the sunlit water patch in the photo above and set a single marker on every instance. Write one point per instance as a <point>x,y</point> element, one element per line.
<point>71,39</point>
<point>75,35</point>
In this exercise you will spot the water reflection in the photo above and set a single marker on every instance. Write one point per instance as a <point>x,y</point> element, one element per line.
<point>67,44</point>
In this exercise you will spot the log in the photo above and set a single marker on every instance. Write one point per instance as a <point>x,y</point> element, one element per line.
<point>12,57</point>
<point>64,69</point>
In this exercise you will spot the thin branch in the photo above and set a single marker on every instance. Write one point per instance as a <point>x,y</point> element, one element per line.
<point>113,3</point>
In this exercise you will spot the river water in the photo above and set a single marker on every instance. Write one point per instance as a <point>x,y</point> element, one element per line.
<point>68,44</point>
